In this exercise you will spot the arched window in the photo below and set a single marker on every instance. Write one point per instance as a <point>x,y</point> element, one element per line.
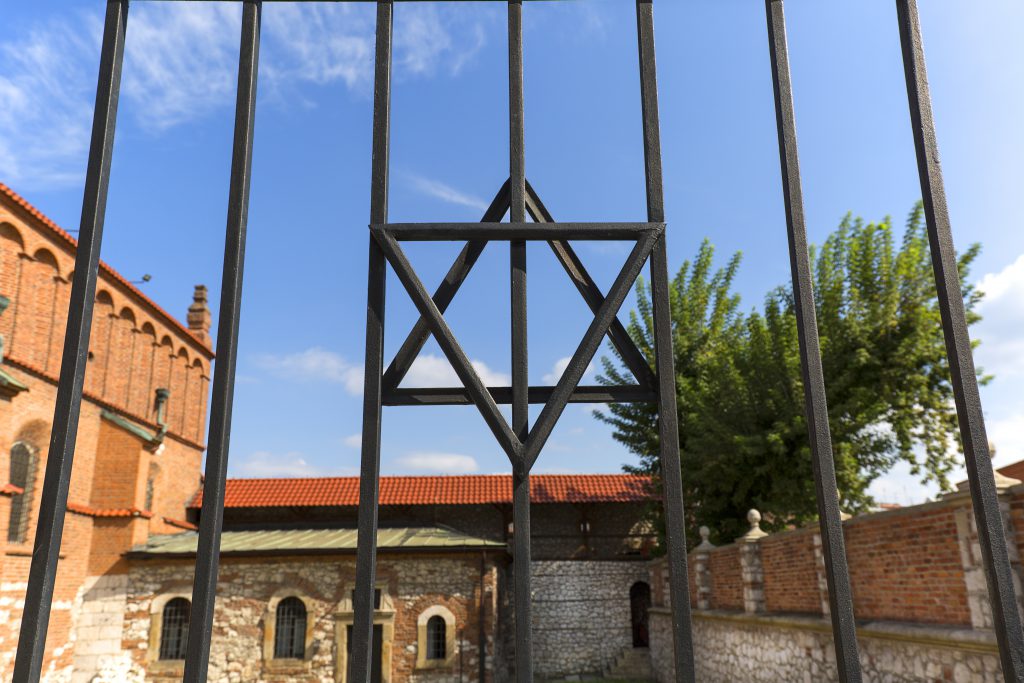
<point>437,638</point>
<point>23,475</point>
<point>290,631</point>
<point>174,630</point>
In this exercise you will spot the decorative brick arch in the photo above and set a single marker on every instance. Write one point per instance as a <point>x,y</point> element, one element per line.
<point>140,399</point>
<point>12,246</point>
<point>44,273</point>
<point>99,345</point>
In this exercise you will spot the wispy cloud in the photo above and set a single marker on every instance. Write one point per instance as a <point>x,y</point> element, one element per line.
<point>558,369</point>
<point>1002,349</point>
<point>45,109</point>
<point>353,440</point>
<point>316,364</point>
<point>290,464</point>
<point>319,364</point>
<point>429,370</point>
<point>446,193</point>
<point>181,65</point>
<point>438,463</point>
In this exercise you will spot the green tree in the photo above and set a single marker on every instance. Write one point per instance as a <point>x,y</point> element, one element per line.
<point>743,435</point>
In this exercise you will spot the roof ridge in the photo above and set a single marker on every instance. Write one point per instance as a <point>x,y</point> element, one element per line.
<point>67,237</point>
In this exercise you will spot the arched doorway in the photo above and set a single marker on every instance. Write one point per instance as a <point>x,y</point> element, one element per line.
<point>639,605</point>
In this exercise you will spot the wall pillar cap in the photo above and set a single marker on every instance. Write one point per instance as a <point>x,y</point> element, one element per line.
<point>756,533</point>
<point>705,534</point>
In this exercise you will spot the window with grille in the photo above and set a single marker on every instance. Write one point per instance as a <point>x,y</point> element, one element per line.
<point>174,631</point>
<point>23,475</point>
<point>290,630</point>
<point>436,638</point>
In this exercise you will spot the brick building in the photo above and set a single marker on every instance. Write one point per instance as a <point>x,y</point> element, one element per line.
<point>140,434</point>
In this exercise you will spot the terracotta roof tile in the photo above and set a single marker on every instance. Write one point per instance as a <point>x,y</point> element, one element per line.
<point>460,490</point>
<point>66,236</point>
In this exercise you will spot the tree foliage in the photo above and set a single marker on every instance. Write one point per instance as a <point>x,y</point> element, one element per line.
<point>743,434</point>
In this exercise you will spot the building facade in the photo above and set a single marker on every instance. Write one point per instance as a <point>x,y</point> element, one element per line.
<point>139,444</point>
<point>444,592</point>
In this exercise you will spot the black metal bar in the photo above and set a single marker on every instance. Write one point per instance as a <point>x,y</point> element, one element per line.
<point>360,665</point>
<point>668,428</point>
<point>508,232</point>
<point>204,587</point>
<point>59,460</point>
<point>591,293</point>
<point>449,345</point>
<point>457,396</point>
<point>587,348</point>
<point>444,294</point>
<point>1005,617</point>
<point>844,630</point>
<point>522,591</point>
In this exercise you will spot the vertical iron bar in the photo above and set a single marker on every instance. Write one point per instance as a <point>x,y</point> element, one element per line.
<point>964,379</point>
<point>844,629</point>
<point>668,429</point>
<point>369,473</point>
<point>204,588</point>
<point>520,375</point>
<point>60,457</point>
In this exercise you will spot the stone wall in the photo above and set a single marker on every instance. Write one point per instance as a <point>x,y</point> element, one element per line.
<point>919,598</point>
<point>410,584</point>
<point>763,649</point>
<point>581,615</point>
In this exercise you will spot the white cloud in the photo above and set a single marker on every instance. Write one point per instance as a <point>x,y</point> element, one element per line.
<point>438,463</point>
<point>47,81</point>
<point>319,364</point>
<point>429,370</point>
<point>181,65</point>
<point>290,464</point>
<point>315,364</point>
<point>558,369</point>
<point>446,193</point>
<point>353,440</point>
<point>1002,348</point>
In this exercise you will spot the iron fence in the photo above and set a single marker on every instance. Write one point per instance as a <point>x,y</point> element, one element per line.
<point>521,441</point>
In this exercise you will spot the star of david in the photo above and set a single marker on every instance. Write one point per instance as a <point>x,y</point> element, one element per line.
<point>522,452</point>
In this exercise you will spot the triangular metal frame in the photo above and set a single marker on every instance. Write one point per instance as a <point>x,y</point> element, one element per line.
<point>520,452</point>
<point>566,256</point>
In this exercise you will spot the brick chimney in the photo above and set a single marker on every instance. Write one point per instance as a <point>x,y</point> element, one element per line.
<point>199,318</point>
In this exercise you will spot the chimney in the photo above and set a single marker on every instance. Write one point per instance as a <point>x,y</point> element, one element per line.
<point>199,318</point>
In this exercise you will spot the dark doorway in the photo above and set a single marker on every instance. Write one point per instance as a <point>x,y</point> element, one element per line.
<point>639,605</point>
<point>376,661</point>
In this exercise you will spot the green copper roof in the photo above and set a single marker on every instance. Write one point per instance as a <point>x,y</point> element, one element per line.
<point>9,381</point>
<point>123,423</point>
<point>298,541</point>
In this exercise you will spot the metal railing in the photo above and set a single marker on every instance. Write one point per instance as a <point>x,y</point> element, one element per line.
<point>521,442</point>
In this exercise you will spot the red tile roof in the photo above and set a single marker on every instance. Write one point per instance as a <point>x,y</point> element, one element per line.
<point>89,511</point>
<point>461,490</point>
<point>66,236</point>
<point>1013,471</point>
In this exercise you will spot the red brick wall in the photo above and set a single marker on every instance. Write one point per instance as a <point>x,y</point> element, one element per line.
<point>111,465</point>
<point>790,574</point>
<point>906,566</point>
<point>36,264</point>
<point>726,578</point>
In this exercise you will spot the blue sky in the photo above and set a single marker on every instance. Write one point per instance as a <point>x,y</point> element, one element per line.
<point>297,405</point>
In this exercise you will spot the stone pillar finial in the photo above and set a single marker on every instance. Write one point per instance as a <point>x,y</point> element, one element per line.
<point>705,535</point>
<point>756,532</point>
<point>199,317</point>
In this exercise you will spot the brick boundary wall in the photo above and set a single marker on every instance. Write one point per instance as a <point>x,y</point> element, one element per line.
<point>919,594</point>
